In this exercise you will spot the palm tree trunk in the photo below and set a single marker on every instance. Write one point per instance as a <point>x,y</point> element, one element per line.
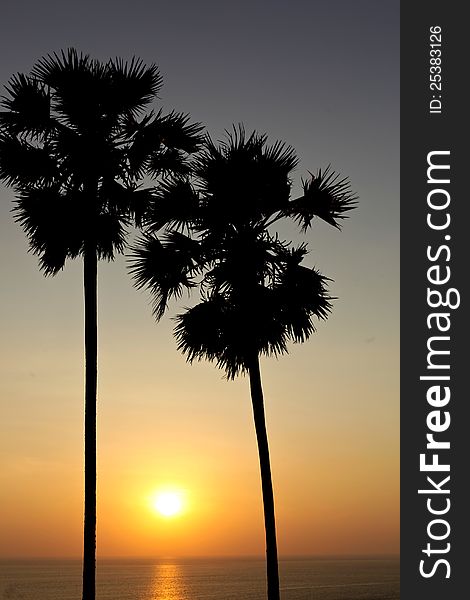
<point>91,372</point>
<point>266,480</point>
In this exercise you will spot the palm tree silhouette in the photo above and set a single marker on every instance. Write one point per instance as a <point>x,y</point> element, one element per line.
<point>75,147</point>
<point>256,295</point>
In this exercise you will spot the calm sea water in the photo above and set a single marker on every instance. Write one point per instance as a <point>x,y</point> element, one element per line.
<point>203,579</point>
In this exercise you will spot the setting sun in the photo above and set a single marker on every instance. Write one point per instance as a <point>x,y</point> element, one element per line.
<point>168,503</point>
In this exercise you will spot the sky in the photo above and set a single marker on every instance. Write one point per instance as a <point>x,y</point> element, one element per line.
<point>323,77</point>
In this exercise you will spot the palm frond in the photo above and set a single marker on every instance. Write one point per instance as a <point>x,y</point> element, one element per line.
<point>160,143</point>
<point>27,107</point>
<point>243,260</point>
<point>236,141</point>
<point>129,201</point>
<point>164,268</point>
<point>79,87</point>
<point>195,338</point>
<point>140,143</point>
<point>176,132</point>
<point>24,164</point>
<point>302,295</point>
<point>242,178</point>
<point>133,85</point>
<point>52,224</point>
<point>111,233</point>
<point>175,206</point>
<point>327,196</point>
<point>212,330</point>
<point>228,333</point>
<point>57,70</point>
<point>282,156</point>
<point>168,161</point>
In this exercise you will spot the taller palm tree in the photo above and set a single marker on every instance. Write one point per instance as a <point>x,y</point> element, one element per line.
<point>256,295</point>
<point>75,146</point>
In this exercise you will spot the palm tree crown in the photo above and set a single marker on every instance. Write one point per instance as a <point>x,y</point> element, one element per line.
<point>256,295</point>
<point>75,146</point>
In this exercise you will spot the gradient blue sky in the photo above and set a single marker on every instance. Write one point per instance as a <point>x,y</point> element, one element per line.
<point>323,77</point>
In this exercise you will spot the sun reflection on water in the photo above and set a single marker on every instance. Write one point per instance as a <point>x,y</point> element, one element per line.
<point>169,582</point>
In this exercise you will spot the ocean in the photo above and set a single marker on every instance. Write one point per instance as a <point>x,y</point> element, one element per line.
<point>203,579</point>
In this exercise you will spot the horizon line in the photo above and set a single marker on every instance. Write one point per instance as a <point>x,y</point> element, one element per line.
<point>348,556</point>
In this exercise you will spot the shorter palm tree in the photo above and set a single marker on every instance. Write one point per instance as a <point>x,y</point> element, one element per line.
<point>256,295</point>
